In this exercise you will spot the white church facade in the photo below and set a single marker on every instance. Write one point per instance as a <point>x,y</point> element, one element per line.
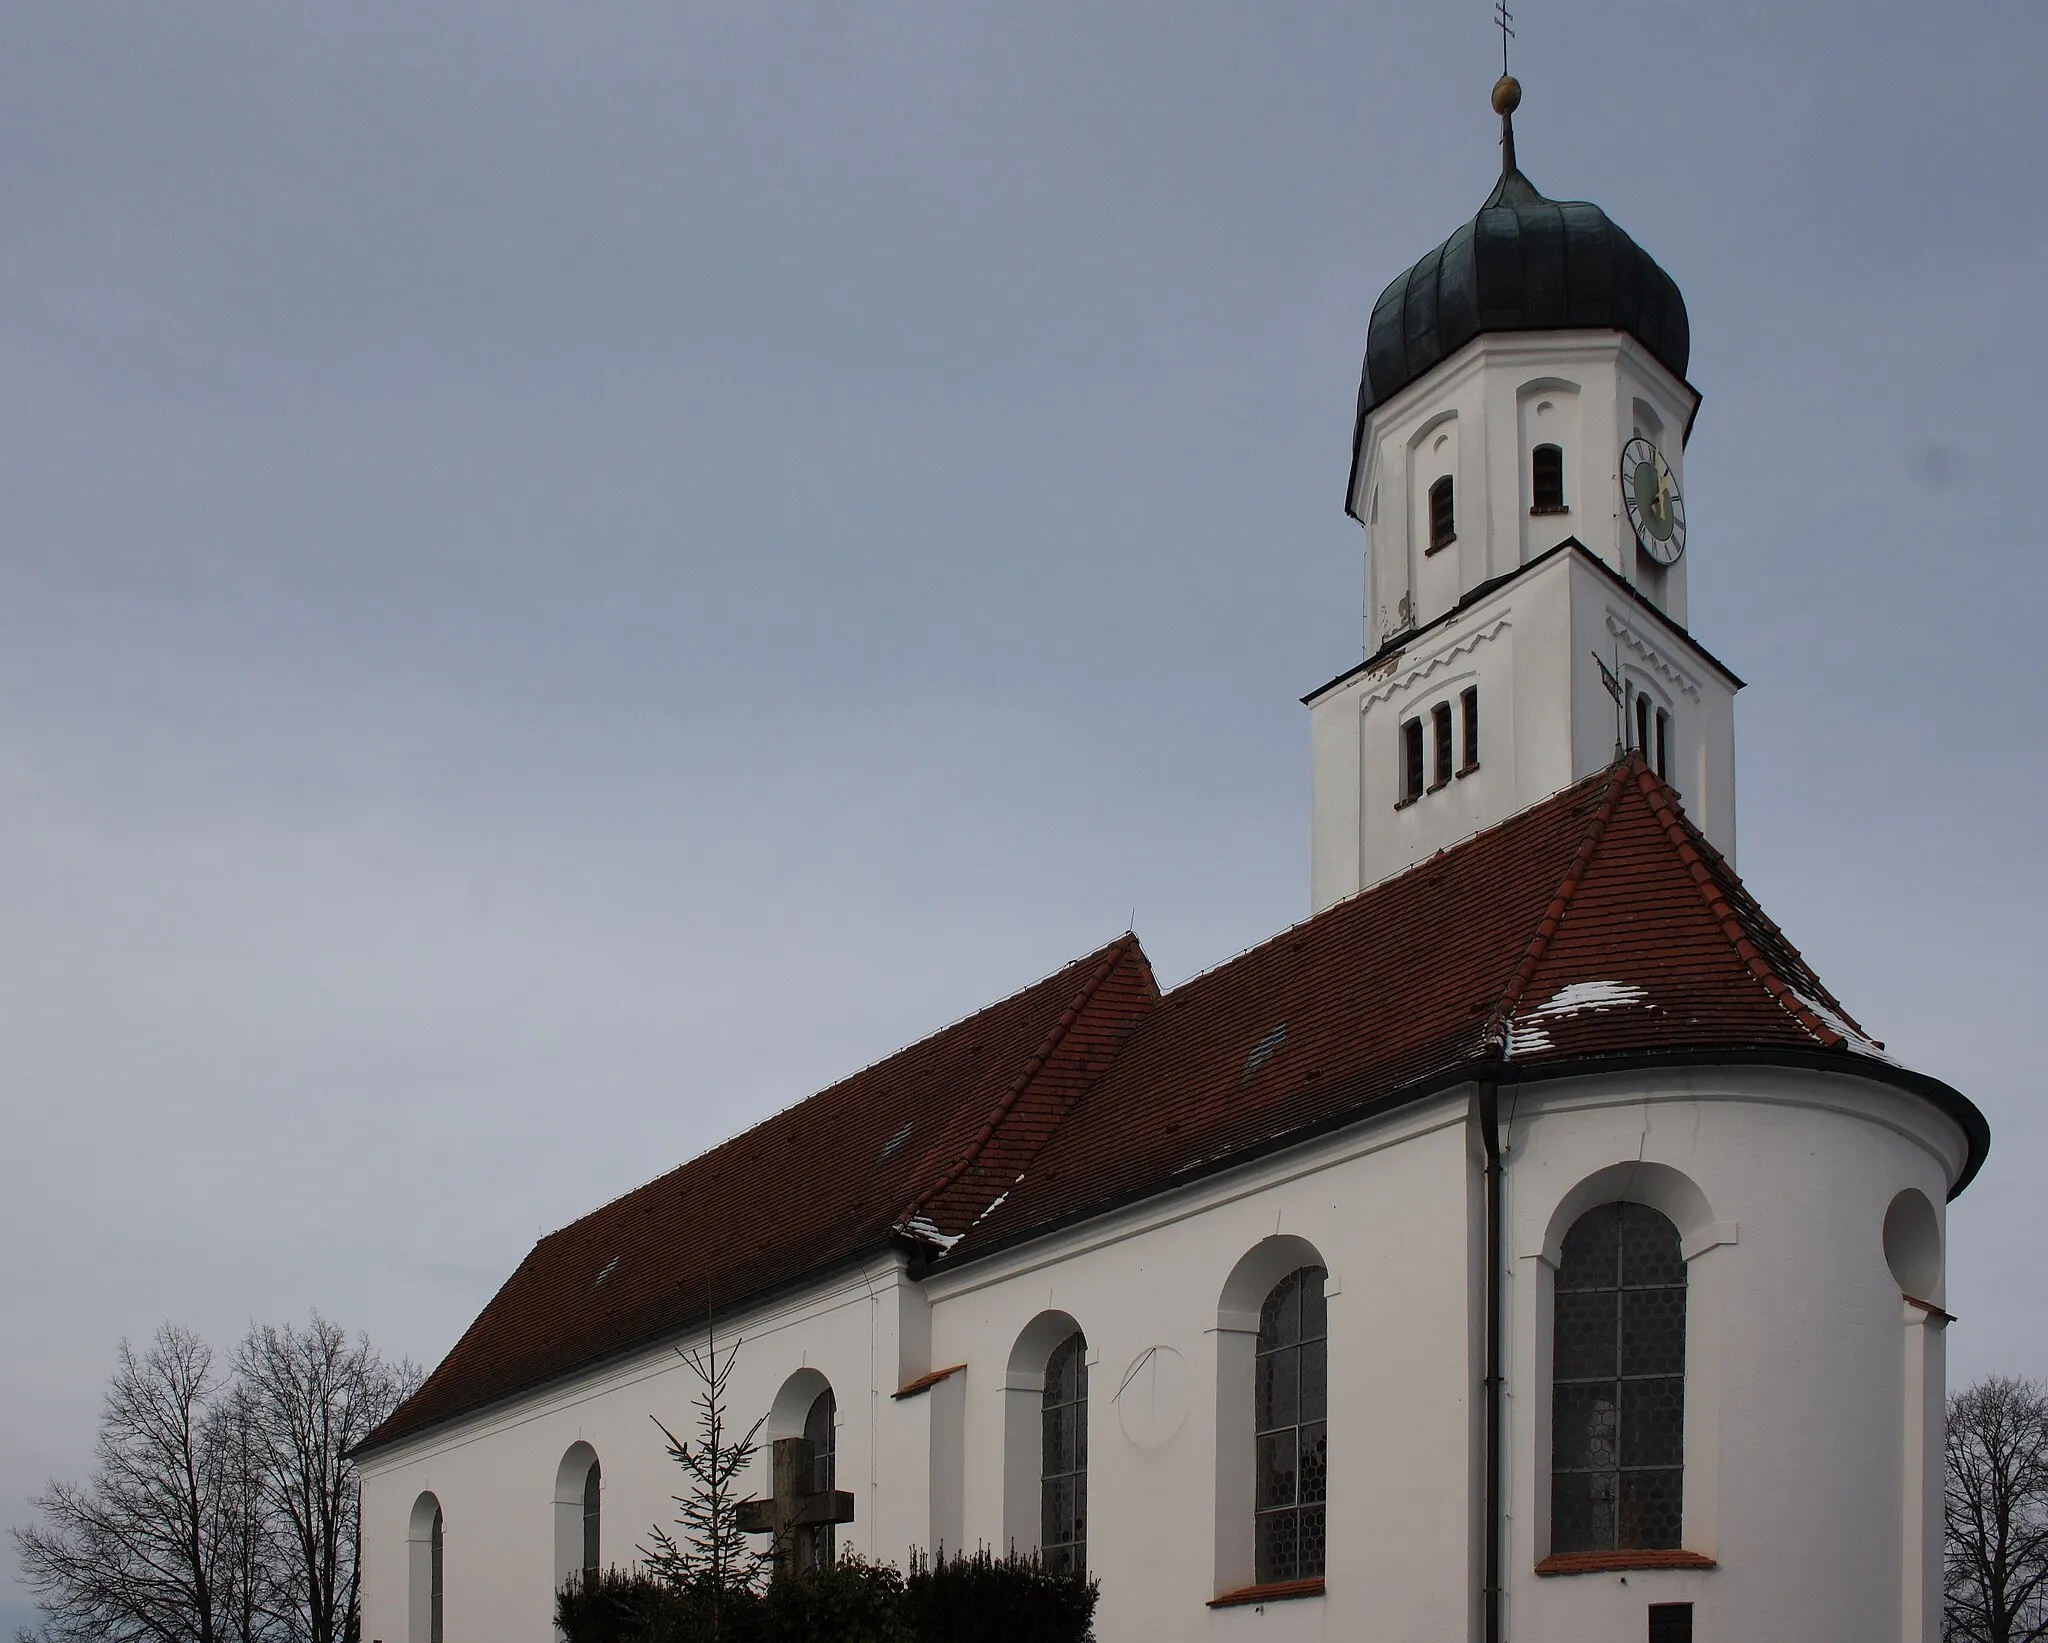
<point>1526,1246</point>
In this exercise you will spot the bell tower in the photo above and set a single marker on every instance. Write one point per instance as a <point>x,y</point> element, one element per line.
<point>1518,468</point>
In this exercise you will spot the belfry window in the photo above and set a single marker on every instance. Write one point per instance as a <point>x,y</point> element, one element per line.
<point>1643,724</point>
<point>1663,743</point>
<point>1618,1384</point>
<point>1440,726</point>
<point>821,1426</point>
<point>1411,761</point>
<point>1546,480</point>
<point>1292,1436</point>
<point>1468,705</point>
<point>1443,515</point>
<point>1063,1451</point>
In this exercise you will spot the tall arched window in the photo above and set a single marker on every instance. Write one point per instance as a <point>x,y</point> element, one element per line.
<point>821,1426</point>
<point>424,1547</point>
<point>436,1562</point>
<point>1063,1457</point>
<point>593,1481</point>
<point>1618,1384</point>
<point>1291,1444</point>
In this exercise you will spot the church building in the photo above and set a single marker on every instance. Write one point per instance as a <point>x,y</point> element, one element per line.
<point>1526,1246</point>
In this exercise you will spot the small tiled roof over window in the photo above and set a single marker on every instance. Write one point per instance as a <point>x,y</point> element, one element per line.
<point>1597,928</point>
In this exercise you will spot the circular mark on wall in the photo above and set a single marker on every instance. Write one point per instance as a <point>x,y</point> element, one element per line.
<point>1152,1398</point>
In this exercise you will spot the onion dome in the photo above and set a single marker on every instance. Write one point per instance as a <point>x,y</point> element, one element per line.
<point>1524,263</point>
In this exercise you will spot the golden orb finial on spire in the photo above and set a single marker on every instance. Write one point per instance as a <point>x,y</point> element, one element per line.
<point>1507,95</point>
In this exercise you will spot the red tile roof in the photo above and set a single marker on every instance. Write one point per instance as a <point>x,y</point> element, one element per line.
<point>1597,924</point>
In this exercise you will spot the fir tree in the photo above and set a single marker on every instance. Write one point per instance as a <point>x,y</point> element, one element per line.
<point>712,1560</point>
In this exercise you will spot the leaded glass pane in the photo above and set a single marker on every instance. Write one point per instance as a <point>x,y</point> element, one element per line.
<point>1291,1441</point>
<point>1618,1383</point>
<point>1063,1457</point>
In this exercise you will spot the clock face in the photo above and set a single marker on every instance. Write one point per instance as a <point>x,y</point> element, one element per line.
<point>1655,509</point>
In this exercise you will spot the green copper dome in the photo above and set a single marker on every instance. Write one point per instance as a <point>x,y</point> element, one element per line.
<point>1524,263</point>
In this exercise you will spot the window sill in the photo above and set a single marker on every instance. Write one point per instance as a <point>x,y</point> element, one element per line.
<point>1403,804</point>
<point>1438,547</point>
<point>1595,1563</point>
<point>1278,1591</point>
<point>1465,770</point>
<point>1541,512</point>
<point>1438,785</point>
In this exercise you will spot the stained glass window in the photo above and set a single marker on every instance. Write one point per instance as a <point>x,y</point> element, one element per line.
<point>1618,1384</point>
<point>1291,1445</point>
<point>1063,1510</point>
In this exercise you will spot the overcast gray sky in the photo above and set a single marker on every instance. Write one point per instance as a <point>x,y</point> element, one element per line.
<point>573,573</point>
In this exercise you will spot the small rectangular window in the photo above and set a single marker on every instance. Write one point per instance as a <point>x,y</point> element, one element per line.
<point>1663,743</point>
<point>1411,761</point>
<point>1546,480</point>
<point>1469,702</point>
<point>1443,515</point>
<point>1643,725</point>
<point>1670,1623</point>
<point>1440,723</point>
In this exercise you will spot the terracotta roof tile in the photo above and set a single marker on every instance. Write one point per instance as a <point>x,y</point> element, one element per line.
<point>1597,923</point>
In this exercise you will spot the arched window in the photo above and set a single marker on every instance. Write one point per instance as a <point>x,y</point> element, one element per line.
<point>1063,1457</point>
<point>425,1539</point>
<point>593,1481</point>
<point>1291,1440</point>
<point>1546,479</point>
<point>1618,1384</point>
<point>1443,514</point>
<point>579,1484</point>
<point>436,1582</point>
<point>821,1426</point>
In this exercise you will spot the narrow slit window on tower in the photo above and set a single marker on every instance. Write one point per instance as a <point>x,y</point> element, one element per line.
<point>1469,703</point>
<point>1440,724</point>
<point>1643,724</point>
<point>1411,761</point>
<point>1663,743</point>
<point>1546,480</point>
<point>1443,515</point>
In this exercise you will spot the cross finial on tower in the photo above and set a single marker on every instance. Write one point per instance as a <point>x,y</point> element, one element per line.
<point>1507,90</point>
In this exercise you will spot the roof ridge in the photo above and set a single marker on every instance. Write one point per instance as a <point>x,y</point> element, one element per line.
<point>1112,955</point>
<point>1546,927</point>
<point>1715,895</point>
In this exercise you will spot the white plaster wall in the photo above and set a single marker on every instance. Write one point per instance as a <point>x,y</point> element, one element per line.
<point>495,1475</point>
<point>1800,1454</point>
<point>1807,1393</point>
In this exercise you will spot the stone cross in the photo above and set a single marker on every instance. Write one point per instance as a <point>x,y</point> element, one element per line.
<point>796,1509</point>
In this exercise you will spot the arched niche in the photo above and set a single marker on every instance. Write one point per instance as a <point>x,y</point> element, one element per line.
<point>577,1478</point>
<point>792,1404</point>
<point>1912,1245</point>
<point>1660,1186</point>
<point>1245,1290</point>
<point>1023,1396</point>
<point>425,1569</point>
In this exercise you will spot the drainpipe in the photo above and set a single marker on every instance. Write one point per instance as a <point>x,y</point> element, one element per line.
<point>1489,1133</point>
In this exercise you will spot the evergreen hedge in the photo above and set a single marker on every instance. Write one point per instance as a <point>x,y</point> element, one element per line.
<point>977,1599</point>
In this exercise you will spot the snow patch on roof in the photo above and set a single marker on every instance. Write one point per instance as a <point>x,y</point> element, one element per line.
<point>1852,1035</point>
<point>1527,1034</point>
<point>926,1233</point>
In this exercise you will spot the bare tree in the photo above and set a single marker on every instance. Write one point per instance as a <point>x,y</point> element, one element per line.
<point>1996,1556</point>
<point>156,1548</point>
<point>304,1399</point>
